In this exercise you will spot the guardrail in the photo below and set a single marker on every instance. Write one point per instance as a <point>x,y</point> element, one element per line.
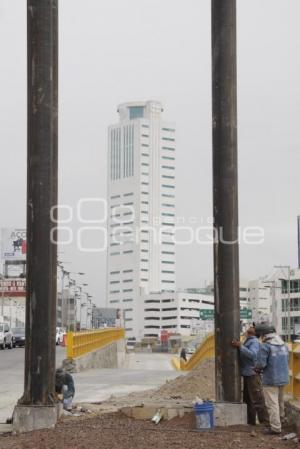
<point>83,342</point>
<point>293,387</point>
<point>207,350</point>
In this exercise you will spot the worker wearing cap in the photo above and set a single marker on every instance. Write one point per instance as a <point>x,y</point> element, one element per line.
<point>273,359</point>
<point>252,390</point>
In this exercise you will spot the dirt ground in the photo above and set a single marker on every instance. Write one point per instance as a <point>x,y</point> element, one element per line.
<point>116,431</point>
<point>198,382</point>
<point>184,389</point>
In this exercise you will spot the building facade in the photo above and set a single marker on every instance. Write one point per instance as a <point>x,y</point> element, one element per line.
<point>260,300</point>
<point>282,295</point>
<point>175,312</point>
<point>141,209</point>
<point>12,301</point>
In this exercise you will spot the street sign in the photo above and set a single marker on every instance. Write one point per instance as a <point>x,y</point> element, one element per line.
<point>246,314</point>
<point>207,314</point>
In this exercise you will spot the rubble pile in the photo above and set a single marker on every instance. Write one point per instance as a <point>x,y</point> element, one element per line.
<point>198,382</point>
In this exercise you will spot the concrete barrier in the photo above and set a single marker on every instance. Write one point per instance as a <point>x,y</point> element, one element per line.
<point>109,356</point>
<point>292,413</point>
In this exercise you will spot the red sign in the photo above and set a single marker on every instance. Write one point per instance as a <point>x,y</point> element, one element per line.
<point>12,287</point>
<point>164,336</point>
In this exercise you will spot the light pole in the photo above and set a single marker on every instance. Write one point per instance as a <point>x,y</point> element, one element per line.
<point>77,301</point>
<point>2,294</point>
<point>81,304</point>
<point>79,273</point>
<point>66,274</point>
<point>288,308</point>
<point>89,310</point>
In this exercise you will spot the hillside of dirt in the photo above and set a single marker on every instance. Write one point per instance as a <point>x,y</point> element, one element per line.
<point>198,382</point>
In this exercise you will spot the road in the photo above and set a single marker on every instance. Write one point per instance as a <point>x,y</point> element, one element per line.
<point>12,378</point>
<point>141,372</point>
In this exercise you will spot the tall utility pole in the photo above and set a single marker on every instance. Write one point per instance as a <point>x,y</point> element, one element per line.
<point>225,199</point>
<point>42,41</point>
<point>288,302</point>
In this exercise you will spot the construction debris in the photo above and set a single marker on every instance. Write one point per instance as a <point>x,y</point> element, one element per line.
<point>157,417</point>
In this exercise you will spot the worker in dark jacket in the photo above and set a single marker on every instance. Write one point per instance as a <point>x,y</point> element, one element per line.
<point>183,354</point>
<point>273,359</point>
<point>64,386</point>
<point>252,391</point>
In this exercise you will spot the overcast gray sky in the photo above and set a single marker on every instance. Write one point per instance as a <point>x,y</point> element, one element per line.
<point>113,51</point>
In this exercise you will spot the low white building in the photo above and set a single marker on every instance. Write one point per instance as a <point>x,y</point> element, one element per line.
<point>13,312</point>
<point>12,301</point>
<point>176,312</point>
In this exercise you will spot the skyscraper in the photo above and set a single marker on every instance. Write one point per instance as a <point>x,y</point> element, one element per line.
<point>141,205</point>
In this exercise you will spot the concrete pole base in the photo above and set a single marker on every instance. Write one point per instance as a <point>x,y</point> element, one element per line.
<point>34,417</point>
<point>230,414</point>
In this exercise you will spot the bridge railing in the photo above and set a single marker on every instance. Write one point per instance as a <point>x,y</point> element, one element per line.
<point>83,342</point>
<point>293,387</point>
<point>207,350</point>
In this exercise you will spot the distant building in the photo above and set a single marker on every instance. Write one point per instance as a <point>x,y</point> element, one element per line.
<point>106,317</point>
<point>279,288</point>
<point>141,205</point>
<point>68,310</point>
<point>245,309</point>
<point>176,312</point>
<point>12,301</point>
<point>260,300</point>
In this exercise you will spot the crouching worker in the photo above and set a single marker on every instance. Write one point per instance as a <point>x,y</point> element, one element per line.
<point>65,388</point>
<point>253,390</point>
<point>273,359</point>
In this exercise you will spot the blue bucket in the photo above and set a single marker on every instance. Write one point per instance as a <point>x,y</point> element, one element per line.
<point>204,414</point>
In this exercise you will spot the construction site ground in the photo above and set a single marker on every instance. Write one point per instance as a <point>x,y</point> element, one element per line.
<point>109,425</point>
<point>117,431</point>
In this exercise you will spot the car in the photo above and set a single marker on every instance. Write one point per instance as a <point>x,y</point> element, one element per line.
<point>6,336</point>
<point>18,336</point>
<point>190,350</point>
<point>59,335</point>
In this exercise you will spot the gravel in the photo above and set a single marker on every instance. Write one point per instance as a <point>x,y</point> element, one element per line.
<point>116,431</point>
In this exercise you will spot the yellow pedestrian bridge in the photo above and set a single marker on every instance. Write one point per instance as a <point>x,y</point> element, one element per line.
<point>84,342</point>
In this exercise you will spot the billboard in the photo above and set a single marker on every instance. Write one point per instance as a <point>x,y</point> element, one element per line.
<point>13,244</point>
